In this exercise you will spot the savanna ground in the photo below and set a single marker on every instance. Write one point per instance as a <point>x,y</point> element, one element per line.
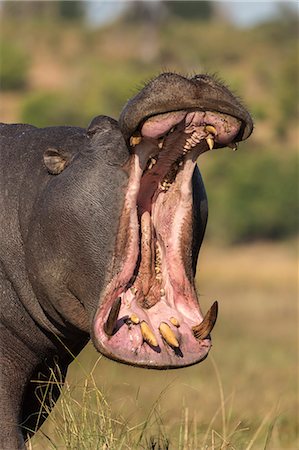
<point>243,396</point>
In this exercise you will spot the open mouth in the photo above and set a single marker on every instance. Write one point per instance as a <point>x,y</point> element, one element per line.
<point>150,315</point>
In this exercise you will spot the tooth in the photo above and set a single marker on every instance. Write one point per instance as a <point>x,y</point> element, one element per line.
<point>160,143</point>
<point>135,319</point>
<point>162,292</point>
<point>172,130</point>
<point>203,330</point>
<point>148,335</point>
<point>233,145</point>
<point>168,335</point>
<point>133,290</point>
<point>152,163</point>
<point>211,129</point>
<point>174,321</point>
<point>135,139</point>
<point>210,142</point>
<point>112,317</point>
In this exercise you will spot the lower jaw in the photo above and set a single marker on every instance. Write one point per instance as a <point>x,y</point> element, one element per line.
<point>175,297</point>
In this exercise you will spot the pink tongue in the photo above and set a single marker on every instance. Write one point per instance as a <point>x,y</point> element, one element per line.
<point>157,126</point>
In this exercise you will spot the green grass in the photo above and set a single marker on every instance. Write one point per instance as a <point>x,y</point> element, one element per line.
<point>242,397</point>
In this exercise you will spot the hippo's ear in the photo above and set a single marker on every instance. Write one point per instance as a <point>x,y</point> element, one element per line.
<point>56,160</point>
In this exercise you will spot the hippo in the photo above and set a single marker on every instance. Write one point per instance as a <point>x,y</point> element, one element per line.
<point>100,231</point>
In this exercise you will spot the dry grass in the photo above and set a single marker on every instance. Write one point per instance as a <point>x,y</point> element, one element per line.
<point>242,397</point>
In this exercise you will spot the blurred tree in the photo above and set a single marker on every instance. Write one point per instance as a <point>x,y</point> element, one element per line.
<point>14,66</point>
<point>191,10</point>
<point>71,10</point>
<point>150,15</point>
<point>44,9</point>
<point>145,11</point>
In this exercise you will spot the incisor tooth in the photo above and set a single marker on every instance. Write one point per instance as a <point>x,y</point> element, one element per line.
<point>135,319</point>
<point>211,129</point>
<point>147,334</point>
<point>174,321</point>
<point>168,335</point>
<point>210,142</point>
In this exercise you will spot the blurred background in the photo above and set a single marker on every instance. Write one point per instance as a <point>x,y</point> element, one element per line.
<point>63,62</point>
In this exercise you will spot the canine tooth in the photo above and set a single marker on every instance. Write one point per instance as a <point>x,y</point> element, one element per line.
<point>112,317</point>
<point>233,146</point>
<point>147,334</point>
<point>203,330</point>
<point>135,139</point>
<point>211,129</point>
<point>168,335</point>
<point>174,321</point>
<point>210,142</point>
<point>134,319</point>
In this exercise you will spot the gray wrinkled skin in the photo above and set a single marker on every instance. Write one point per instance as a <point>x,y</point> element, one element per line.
<point>57,236</point>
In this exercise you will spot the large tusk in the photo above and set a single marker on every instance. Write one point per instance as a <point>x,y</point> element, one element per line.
<point>211,129</point>
<point>210,142</point>
<point>148,335</point>
<point>203,330</point>
<point>112,317</point>
<point>168,335</point>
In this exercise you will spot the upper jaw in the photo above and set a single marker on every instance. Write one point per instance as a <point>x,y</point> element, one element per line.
<point>173,92</point>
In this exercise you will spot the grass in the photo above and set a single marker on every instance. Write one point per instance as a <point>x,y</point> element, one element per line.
<point>242,397</point>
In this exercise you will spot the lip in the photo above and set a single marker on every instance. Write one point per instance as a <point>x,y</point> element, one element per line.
<point>200,92</point>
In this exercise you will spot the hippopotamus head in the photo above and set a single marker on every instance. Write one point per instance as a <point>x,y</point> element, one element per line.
<point>119,223</point>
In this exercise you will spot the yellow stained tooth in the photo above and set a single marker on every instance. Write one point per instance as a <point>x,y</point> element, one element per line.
<point>174,321</point>
<point>135,140</point>
<point>211,129</point>
<point>135,319</point>
<point>148,335</point>
<point>168,335</point>
<point>210,142</point>
<point>202,330</point>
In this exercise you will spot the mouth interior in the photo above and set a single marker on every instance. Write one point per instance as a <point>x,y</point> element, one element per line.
<point>150,315</point>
